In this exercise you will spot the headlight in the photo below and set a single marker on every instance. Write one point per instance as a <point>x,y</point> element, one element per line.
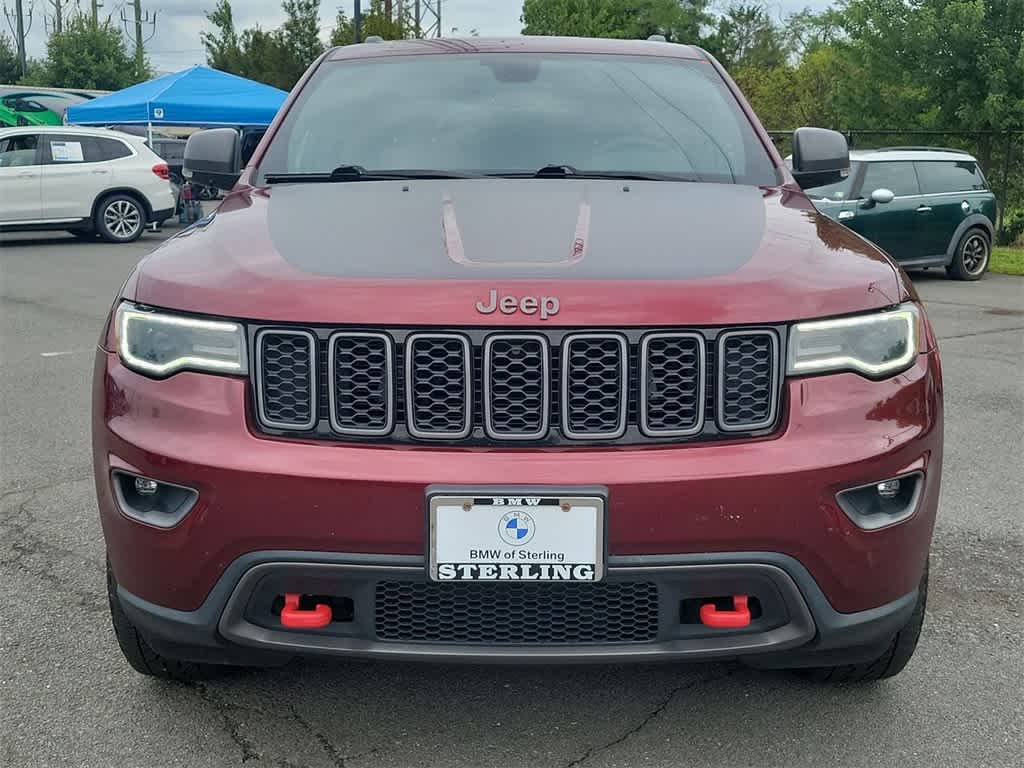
<point>160,344</point>
<point>875,345</point>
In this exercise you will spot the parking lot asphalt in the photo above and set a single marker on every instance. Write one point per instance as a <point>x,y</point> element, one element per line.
<point>68,698</point>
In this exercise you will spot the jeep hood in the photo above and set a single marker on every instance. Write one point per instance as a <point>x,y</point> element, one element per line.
<point>424,252</point>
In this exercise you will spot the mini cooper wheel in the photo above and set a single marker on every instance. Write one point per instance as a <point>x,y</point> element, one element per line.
<point>970,260</point>
<point>120,219</point>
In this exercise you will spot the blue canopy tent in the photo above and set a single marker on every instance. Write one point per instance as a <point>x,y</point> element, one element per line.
<point>198,96</point>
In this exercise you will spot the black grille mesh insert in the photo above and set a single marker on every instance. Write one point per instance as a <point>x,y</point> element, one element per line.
<point>593,371</point>
<point>362,384</point>
<point>673,384</point>
<point>286,379</point>
<point>517,375</point>
<point>437,385</point>
<point>517,613</point>
<point>747,371</point>
<point>544,387</point>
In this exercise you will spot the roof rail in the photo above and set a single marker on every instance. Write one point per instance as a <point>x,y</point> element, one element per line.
<point>921,149</point>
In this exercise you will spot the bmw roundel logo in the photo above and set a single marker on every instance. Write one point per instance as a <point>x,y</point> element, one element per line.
<point>516,528</point>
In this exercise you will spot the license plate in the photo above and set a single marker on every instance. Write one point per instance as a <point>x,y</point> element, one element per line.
<point>516,537</point>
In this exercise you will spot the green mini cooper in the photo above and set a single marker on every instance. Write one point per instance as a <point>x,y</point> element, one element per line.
<point>925,207</point>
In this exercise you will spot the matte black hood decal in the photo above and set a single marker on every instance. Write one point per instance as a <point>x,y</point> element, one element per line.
<point>517,229</point>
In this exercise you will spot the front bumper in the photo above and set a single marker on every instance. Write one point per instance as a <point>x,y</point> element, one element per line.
<point>767,503</point>
<point>796,625</point>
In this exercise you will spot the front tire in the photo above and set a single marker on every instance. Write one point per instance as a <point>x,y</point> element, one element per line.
<point>142,658</point>
<point>120,219</point>
<point>971,257</point>
<point>891,662</point>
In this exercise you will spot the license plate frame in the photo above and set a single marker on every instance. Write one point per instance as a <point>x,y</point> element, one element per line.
<point>581,501</point>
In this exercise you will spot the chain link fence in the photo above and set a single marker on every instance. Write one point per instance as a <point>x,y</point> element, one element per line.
<point>1000,154</point>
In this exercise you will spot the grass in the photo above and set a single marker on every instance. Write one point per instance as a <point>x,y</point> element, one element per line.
<point>1007,261</point>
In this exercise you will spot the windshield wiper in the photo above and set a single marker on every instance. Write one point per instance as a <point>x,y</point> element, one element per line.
<point>571,172</point>
<point>358,173</point>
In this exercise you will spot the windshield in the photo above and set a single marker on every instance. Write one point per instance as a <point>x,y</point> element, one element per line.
<point>836,191</point>
<point>516,113</point>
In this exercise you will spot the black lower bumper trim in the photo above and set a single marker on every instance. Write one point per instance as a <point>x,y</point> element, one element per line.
<point>796,627</point>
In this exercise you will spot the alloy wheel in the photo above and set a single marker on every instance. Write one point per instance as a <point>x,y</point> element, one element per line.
<point>122,218</point>
<point>975,254</point>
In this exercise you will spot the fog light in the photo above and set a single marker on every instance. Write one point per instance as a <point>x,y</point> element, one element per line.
<point>883,502</point>
<point>888,489</point>
<point>150,501</point>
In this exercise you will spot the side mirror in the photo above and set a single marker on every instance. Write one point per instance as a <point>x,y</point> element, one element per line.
<point>213,158</point>
<point>882,196</point>
<point>820,157</point>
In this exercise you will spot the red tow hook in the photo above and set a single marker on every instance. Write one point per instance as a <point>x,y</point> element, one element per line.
<point>737,618</point>
<point>295,618</point>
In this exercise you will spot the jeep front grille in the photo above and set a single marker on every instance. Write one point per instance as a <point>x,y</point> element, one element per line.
<point>484,387</point>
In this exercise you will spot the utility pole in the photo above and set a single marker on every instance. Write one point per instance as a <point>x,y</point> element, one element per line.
<point>18,12</point>
<point>428,18</point>
<point>140,52</point>
<point>357,23</point>
<point>139,21</point>
<point>96,5</point>
<point>16,23</point>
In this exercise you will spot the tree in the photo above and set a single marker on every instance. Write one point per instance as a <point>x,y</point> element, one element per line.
<point>747,36</point>
<point>375,22</point>
<point>222,48</point>
<point>299,36</point>
<point>10,67</point>
<point>278,57</point>
<point>87,55</point>
<point>678,20</point>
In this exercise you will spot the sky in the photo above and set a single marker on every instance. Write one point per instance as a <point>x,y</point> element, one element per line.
<point>175,43</point>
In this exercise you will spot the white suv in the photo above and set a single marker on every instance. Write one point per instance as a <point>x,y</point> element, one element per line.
<point>86,180</point>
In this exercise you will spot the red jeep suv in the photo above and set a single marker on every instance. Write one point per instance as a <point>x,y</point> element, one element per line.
<point>526,350</point>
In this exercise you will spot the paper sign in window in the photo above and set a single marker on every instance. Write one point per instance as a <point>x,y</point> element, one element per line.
<point>66,151</point>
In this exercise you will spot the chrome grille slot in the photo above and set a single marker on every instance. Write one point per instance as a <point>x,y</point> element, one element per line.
<point>672,384</point>
<point>361,372</point>
<point>286,378</point>
<point>594,385</point>
<point>748,377</point>
<point>516,382</point>
<point>438,382</point>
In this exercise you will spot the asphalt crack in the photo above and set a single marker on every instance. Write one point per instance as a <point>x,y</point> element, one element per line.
<point>981,333</point>
<point>325,743</point>
<point>38,557</point>
<point>232,726</point>
<point>33,489</point>
<point>648,718</point>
